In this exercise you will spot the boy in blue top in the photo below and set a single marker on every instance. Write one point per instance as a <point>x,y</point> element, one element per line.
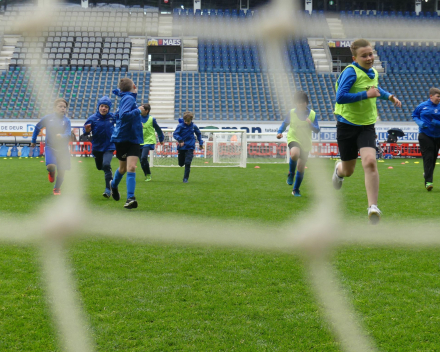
<point>127,137</point>
<point>184,135</point>
<point>56,151</point>
<point>302,121</point>
<point>101,124</point>
<point>149,126</point>
<point>427,117</point>
<point>356,113</point>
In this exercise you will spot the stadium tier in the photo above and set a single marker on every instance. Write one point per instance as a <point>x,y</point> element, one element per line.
<point>21,97</point>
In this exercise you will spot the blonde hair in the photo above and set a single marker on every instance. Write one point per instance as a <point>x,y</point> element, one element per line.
<point>125,84</point>
<point>359,43</point>
<point>188,116</point>
<point>60,100</point>
<point>434,91</point>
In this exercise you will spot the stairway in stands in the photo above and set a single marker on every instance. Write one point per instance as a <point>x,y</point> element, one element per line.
<point>161,96</point>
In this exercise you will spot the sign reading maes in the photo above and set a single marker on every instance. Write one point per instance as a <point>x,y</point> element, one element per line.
<point>164,42</point>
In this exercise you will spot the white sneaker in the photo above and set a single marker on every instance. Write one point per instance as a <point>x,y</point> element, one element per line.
<point>374,214</point>
<point>337,181</point>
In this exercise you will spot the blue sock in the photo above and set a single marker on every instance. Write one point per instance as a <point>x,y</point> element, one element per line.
<point>131,184</point>
<point>298,179</point>
<point>292,167</point>
<point>59,182</point>
<point>118,177</point>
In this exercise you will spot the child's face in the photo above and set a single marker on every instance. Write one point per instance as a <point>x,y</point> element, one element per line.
<point>364,57</point>
<point>435,98</point>
<point>301,106</point>
<point>187,122</point>
<point>103,109</point>
<point>60,108</point>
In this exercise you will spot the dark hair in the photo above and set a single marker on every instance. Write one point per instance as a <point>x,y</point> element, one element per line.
<point>359,43</point>
<point>147,107</point>
<point>188,115</point>
<point>60,100</point>
<point>434,91</point>
<point>125,84</point>
<point>300,97</point>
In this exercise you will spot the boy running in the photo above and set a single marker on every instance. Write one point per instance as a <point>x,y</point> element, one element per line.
<point>356,113</point>
<point>184,135</point>
<point>149,125</point>
<point>101,124</point>
<point>427,117</point>
<point>302,121</point>
<point>56,151</point>
<point>127,137</point>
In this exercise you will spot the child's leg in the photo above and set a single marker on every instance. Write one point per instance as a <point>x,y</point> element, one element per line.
<point>107,167</point>
<point>119,173</point>
<point>428,149</point>
<point>181,157</point>
<point>98,159</point>
<point>300,173</point>
<point>369,164</point>
<point>131,175</point>
<point>188,159</point>
<point>60,178</point>
<point>144,161</point>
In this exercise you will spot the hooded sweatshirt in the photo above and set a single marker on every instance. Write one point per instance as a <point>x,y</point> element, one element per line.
<point>185,133</point>
<point>128,120</point>
<point>54,125</point>
<point>102,127</point>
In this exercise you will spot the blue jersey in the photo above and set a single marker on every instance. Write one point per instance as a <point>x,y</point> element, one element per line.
<point>55,125</point>
<point>128,120</point>
<point>427,117</point>
<point>346,81</point>
<point>102,127</point>
<point>185,133</point>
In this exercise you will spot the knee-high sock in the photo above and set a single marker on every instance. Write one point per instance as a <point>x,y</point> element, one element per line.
<point>131,184</point>
<point>59,182</point>
<point>292,166</point>
<point>118,177</point>
<point>298,179</point>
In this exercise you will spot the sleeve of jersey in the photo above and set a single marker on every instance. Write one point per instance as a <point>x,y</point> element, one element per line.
<point>176,134</point>
<point>315,125</point>
<point>198,134</point>
<point>125,109</point>
<point>88,122</point>
<point>384,95</point>
<point>37,129</point>
<point>416,116</point>
<point>67,131</point>
<point>158,130</point>
<point>346,81</point>
<point>284,125</point>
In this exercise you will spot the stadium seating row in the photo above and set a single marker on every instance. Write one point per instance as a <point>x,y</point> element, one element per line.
<point>30,93</point>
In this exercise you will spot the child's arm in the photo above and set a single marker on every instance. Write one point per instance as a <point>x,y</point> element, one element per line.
<point>199,136</point>
<point>177,136</point>
<point>314,125</point>
<point>384,95</point>
<point>125,108</point>
<point>345,82</point>
<point>67,131</point>
<point>88,126</point>
<point>158,131</point>
<point>283,127</point>
<point>37,130</point>
<point>416,117</point>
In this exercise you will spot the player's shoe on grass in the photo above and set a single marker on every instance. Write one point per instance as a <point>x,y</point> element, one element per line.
<point>114,192</point>
<point>56,192</point>
<point>296,193</point>
<point>374,214</point>
<point>337,181</point>
<point>289,179</point>
<point>51,176</point>
<point>185,180</point>
<point>148,178</point>
<point>131,203</point>
<point>107,193</point>
<point>429,186</point>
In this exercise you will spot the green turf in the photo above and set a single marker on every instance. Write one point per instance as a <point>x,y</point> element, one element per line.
<point>143,297</point>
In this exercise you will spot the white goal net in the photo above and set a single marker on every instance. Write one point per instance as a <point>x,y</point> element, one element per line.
<point>221,149</point>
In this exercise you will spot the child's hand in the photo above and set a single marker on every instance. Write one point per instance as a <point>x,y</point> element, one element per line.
<point>279,135</point>
<point>395,101</point>
<point>88,128</point>
<point>33,145</point>
<point>59,136</point>
<point>201,147</point>
<point>373,92</point>
<point>143,111</point>
<point>161,143</point>
<point>308,121</point>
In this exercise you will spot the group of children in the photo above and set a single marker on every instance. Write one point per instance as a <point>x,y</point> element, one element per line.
<point>130,131</point>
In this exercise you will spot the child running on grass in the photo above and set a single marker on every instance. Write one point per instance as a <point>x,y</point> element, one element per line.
<point>302,121</point>
<point>101,124</point>
<point>356,113</point>
<point>184,135</point>
<point>127,137</point>
<point>150,126</point>
<point>56,151</point>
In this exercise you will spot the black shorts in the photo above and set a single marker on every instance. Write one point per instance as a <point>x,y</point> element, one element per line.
<point>352,138</point>
<point>302,154</point>
<point>125,149</point>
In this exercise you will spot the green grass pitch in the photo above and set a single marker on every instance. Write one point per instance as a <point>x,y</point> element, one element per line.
<point>144,297</point>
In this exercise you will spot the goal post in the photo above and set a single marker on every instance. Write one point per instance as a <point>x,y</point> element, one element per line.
<point>222,148</point>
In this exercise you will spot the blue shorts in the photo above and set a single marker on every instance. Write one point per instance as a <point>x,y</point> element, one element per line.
<point>61,158</point>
